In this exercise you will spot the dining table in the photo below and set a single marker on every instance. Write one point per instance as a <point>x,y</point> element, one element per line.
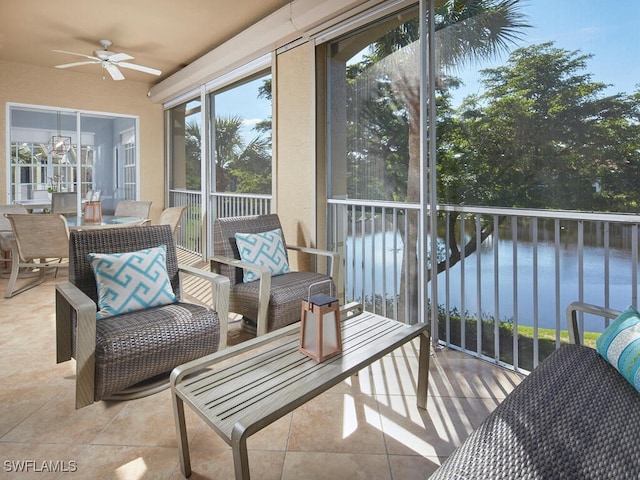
<point>107,221</point>
<point>34,204</point>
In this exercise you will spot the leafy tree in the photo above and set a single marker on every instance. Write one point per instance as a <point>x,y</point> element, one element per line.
<point>544,135</point>
<point>192,151</point>
<point>241,167</point>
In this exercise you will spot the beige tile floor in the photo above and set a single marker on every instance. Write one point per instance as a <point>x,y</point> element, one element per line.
<point>368,427</point>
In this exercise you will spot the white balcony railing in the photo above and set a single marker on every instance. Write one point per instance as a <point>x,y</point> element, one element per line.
<point>221,205</point>
<point>511,289</point>
<point>504,300</point>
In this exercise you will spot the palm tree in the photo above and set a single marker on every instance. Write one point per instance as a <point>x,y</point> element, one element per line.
<point>466,30</point>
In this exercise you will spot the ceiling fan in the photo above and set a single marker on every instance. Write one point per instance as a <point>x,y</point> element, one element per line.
<point>109,61</point>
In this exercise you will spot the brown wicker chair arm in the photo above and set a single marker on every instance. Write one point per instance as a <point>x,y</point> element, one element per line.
<point>220,287</point>
<point>572,317</point>
<point>68,298</point>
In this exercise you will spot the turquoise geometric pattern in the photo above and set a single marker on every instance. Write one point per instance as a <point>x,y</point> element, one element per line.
<point>131,281</point>
<point>265,249</point>
<point>619,344</point>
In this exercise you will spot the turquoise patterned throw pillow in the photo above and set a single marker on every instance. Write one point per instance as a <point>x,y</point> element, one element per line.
<point>266,249</point>
<point>619,344</point>
<point>131,281</point>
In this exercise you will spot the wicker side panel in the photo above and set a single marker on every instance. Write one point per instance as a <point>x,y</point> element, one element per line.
<point>285,301</point>
<point>137,346</point>
<point>575,416</point>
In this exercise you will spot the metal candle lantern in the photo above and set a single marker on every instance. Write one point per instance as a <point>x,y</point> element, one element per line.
<point>93,211</point>
<point>320,332</point>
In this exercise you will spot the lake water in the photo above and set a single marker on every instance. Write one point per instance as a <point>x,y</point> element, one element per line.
<point>371,266</point>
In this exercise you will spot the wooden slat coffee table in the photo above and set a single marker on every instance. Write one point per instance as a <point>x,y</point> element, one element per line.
<point>263,379</point>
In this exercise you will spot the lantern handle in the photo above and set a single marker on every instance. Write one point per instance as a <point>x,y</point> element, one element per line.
<point>320,283</point>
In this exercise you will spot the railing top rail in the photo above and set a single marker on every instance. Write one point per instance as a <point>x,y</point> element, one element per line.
<point>373,203</point>
<point>241,195</point>
<point>223,194</point>
<point>552,214</point>
<point>629,218</point>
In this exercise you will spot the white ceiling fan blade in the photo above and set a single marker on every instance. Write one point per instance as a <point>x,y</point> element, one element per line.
<point>118,57</point>
<point>77,54</point>
<point>76,64</point>
<point>140,68</point>
<point>113,71</point>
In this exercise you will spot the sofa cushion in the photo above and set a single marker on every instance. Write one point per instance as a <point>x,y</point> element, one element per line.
<point>265,249</point>
<point>619,345</point>
<point>131,281</point>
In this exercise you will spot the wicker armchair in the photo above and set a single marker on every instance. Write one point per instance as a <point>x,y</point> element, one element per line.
<point>131,355</point>
<point>271,302</point>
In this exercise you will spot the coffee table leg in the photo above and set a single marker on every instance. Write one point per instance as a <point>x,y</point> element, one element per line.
<point>181,433</point>
<point>423,370</point>
<point>239,449</point>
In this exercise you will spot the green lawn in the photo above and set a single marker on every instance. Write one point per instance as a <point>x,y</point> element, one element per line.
<point>546,340</point>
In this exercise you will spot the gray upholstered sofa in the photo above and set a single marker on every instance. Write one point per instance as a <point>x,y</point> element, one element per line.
<point>574,417</point>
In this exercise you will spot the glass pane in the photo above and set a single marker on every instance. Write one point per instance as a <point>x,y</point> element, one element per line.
<point>243,137</point>
<point>374,108</point>
<point>45,147</point>
<point>108,159</point>
<point>185,146</point>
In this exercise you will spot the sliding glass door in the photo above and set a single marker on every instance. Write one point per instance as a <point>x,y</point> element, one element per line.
<point>71,151</point>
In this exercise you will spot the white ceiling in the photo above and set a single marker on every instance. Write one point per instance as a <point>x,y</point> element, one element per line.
<point>162,34</point>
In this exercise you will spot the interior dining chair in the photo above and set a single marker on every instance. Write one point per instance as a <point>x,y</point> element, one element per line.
<point>41,195</point>
<point>108,317</point>
<point>7,238</point>
<point>133,208</point>
<point>269,301</point>
<point>63,203</point>
<point>31,252</point>
<point>172,216</point>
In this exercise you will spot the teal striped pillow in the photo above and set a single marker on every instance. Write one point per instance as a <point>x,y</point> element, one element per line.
<point>131,281</point>
<point>619,344</point>
<point>266,249</point>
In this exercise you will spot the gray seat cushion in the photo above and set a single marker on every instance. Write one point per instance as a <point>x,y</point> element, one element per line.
<point>285,300</point>
<point>140,345</point>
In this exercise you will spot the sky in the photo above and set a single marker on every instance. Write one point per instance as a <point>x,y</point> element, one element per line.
<point>608,30</point>
<point>243,101</point>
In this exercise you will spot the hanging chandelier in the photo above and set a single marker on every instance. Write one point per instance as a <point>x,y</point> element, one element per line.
<point>59,144</point>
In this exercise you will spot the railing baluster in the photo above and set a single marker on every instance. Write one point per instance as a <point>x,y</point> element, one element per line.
<point>478,228</point>
<point>556,253</point>
<point>463,293</point>
<point>535,292</point>
<point>496,288</point>
<point>514,239</point>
